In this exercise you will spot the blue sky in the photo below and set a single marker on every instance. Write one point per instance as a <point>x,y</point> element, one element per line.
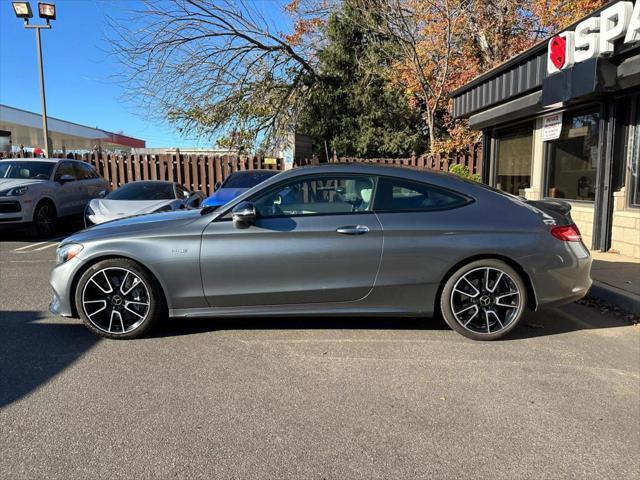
<point>78,70</point>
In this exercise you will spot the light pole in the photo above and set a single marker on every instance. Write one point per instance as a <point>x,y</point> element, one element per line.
<point>48,12</point>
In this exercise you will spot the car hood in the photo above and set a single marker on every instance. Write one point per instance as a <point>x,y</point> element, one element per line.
<point>142,224</point>
<point>223,195</point>
<point>7,183</point>
<point>123,208</point>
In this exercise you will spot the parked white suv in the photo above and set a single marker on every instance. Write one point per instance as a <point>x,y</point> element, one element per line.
<point>38,191</point>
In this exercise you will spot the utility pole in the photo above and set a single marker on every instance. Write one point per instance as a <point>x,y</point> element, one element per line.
<point>48,12</point>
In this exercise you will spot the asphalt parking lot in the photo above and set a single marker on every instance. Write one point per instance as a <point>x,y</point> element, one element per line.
<point>310,398</point>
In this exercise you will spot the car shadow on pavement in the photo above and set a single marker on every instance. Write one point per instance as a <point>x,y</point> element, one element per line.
<point>554,321</point>
<point>33,352</point>
<point>189,326</point>
<point>65,228</point>
<point>569,318</point>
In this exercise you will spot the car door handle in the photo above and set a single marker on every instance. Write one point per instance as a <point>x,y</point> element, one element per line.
<point>353,230</point>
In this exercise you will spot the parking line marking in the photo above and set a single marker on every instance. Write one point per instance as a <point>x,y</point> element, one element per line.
<point>28,246</point>
<point>45,247</point>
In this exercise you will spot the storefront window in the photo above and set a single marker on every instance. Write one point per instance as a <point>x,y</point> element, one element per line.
<point>573,158</point>
<point>513,159</point>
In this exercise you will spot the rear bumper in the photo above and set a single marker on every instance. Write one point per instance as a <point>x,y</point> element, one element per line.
<point>564,276</point>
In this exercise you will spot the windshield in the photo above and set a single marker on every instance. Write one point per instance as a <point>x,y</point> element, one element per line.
<point>247,179</point>
<point>143,191</point>
<point>32,170</point>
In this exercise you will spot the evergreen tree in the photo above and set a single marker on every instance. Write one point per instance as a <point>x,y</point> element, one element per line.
<point>351,104</point>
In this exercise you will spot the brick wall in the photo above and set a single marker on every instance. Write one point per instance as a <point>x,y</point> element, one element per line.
<point>625,235</point>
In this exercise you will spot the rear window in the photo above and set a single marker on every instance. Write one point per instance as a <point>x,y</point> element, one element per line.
<point>395,195</point>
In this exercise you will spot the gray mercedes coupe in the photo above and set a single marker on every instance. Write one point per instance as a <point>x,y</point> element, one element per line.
<point>348,239</point>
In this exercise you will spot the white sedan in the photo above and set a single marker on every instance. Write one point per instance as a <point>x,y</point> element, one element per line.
<point>36,192</point>
<point>139,198</point>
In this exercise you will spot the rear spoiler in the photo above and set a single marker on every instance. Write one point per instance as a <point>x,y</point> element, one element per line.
<point>559,211</point>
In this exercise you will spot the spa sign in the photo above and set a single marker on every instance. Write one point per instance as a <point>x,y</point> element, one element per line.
<point>594,36</point>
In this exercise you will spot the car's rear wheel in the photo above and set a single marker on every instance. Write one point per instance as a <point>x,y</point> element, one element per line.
<point>484,300</point>
<point>44,220</point>
<point>117,298</point>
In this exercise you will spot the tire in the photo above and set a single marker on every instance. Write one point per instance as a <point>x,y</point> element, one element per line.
<point>118,299</point>
<point>488,298</point>
<point>44,221</point>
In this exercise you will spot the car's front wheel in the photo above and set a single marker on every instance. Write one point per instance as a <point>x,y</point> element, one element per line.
<point>483,300</point>
<point>44,220</point>
<point>118,299</point>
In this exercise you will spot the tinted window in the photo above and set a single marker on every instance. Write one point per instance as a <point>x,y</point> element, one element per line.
<point>33,170</point>
<point>88,170</point>
<point>143,191</point>
<point>82,173</point>
<point>316,196</point>
<point>394,194</point>
<point>246,179</point>
<point>65,168</point>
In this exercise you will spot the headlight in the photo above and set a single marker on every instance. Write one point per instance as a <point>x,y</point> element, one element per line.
<point>14,192</point>
<point>67,252</point>
<point>18,191</point>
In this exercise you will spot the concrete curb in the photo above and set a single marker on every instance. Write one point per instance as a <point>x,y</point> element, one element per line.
<point>614,296</point>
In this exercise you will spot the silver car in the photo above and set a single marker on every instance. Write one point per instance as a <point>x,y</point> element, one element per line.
<point>330,240</point>
<point>36,192</point>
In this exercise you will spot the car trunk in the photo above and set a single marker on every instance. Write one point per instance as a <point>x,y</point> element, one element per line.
<point>554,212</point>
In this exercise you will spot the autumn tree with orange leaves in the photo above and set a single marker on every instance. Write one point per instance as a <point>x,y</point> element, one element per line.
<point>443,44</point>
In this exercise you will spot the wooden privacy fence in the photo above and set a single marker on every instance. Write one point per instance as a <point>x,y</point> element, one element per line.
<point>203,171</point>
<point>471,157</point>
<point>195,172</point>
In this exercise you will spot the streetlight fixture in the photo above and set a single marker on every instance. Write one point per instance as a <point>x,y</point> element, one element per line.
<point>47,11</point>
<point>22,10</point>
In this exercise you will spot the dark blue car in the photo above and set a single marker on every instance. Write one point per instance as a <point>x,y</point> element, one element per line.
<point>235,184</point>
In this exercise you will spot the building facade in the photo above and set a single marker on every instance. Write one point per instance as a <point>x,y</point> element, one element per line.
<point>22,130</point>
<point>562,120</point>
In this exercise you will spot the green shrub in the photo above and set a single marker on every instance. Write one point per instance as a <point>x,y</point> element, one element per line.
<point>463,171</point>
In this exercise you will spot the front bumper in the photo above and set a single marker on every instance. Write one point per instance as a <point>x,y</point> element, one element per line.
<point>15,210</point>
<point>61,282</point>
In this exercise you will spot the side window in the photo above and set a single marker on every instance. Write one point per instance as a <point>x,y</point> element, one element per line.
<point>396,194</point>
<point>65,168</point>
<point>317,196</point>
<point>83,171</point>
<point>90,169</point>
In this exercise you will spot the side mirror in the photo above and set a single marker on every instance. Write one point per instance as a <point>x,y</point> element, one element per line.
<point>66,179</point>
<point>243,214</point>
<point>217,186</point>
<point>102,193</point>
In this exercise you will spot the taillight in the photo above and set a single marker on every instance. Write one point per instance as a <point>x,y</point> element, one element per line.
<point>567,233</point>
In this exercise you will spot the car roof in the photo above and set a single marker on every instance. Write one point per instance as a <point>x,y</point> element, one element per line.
<point>34,159</point>
<point>258,170</point>
<point>149,182</point>
<point>433,177</point>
